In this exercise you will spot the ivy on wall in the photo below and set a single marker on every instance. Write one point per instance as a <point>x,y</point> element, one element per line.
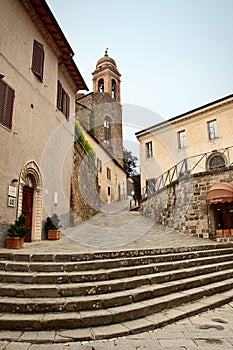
<point>79,136</point>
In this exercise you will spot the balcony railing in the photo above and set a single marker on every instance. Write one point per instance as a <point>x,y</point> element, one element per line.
<point>192,165</point>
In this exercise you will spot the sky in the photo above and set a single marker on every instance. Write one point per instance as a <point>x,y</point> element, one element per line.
<point>173,55</point>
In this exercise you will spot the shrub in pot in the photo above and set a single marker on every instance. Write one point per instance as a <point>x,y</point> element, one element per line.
<point>51,226</point>
<point>16,233</point>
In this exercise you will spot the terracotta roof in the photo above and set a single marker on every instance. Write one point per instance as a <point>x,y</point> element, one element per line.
<point>51,24</point>
<point>106,60</point>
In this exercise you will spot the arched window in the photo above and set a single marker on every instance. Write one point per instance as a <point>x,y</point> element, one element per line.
<point>101,85</point>
<point>107,129</point>
<point>217,161</point>
<point>113,88</point>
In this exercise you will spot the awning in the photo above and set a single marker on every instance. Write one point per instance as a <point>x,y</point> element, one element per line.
<point>219,193</point>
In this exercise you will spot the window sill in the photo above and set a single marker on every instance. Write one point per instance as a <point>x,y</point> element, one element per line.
<point>5,127</point>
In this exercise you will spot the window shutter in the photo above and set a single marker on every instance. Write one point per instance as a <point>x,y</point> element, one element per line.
<point>7,95</point>
<point>67,106</point>
<point>2,99</point>
<point>38,60</point>
<point>59,95</point>
<point>9,107</point>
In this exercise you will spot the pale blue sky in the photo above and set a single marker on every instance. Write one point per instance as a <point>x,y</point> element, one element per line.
<point>174,55</point>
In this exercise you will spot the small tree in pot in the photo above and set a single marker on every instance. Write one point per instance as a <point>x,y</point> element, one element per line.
<point>16,233</point>
<point>51,226</point>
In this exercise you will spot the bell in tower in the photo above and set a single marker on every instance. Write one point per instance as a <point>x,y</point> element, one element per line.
<point>106,77</point>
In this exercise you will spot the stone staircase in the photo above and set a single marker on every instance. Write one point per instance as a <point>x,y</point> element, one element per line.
<point>109,294</point>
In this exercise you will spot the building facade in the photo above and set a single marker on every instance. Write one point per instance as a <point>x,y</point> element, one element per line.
<point>195,144</point>
<point>39,81</point>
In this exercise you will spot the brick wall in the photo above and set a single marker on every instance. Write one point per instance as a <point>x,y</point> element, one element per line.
<point>182,205</point>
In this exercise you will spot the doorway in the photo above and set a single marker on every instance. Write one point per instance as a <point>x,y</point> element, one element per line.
<point>30,199</point>
<point>27,205</point>
<point>223,213</point>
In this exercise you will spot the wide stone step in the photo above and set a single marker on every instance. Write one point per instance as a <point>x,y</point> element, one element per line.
<point>108,263</point>
<point>107,274</point>
<point>100,301</point>
<point>143,324</point>
<point>70,257</point>
<point>111,315</point>
<point>109,286</point>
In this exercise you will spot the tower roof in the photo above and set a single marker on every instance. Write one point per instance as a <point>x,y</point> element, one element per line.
<point>106,61</point>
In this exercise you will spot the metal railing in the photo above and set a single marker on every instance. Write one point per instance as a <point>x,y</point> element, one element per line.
<point>192,165</point>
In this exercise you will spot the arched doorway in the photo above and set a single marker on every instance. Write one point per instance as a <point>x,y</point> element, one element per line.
<point>30,200</point>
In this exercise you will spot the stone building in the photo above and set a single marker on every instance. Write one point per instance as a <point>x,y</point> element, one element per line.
<point>185,162</point>
<point>100,114</point>
<point>38,84</point>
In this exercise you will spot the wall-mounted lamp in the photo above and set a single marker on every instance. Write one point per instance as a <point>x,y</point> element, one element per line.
<point>1,76</point>
<point>14,180</point>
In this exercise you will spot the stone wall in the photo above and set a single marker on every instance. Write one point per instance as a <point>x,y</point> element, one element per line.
<point>3,233</point>
<point>84,187</point>
<point>182,205</point>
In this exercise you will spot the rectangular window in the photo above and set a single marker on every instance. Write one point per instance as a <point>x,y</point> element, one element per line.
<point>149,150</point>
<point>67,114</point>
<point>38,60</point>
<point>108,173</point>
<point>59,95</point>
<point>109,190</point>
<point>6,104</point>
<point>213,129</point>
<point>99,165</point>
<point>181,139</point>
<point>63,100</point>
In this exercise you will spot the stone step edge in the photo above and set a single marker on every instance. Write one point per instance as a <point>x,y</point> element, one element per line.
<point>113,315</point>
<point>56,257</point>
<point>125,297</point>
<point>111,264</point>
<point>161,267</point>
<point>139,279</point>
<point>145,324</point>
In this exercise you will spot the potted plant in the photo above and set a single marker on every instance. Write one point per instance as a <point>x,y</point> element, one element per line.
<point>51,226</point>
<point>16,233</point>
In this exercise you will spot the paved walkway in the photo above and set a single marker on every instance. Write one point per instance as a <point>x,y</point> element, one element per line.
<point>115,228</point>
<point>212,330</point>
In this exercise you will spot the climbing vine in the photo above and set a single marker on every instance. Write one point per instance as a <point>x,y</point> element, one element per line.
<point>79,136</point>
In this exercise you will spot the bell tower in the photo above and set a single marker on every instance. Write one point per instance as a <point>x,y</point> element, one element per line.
<point>106,77</point>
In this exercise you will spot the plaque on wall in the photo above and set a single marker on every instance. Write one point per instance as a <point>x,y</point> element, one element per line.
<point>11,201</point>
<point>12,191</point>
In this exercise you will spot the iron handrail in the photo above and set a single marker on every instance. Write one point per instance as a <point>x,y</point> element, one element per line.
<point>186,166</point>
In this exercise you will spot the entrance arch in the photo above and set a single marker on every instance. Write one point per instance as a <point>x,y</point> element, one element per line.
<point>30,200</point>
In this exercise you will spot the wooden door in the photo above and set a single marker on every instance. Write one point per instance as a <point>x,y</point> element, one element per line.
<point>27,210</point>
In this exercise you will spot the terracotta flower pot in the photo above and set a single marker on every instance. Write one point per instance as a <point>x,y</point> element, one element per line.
<point>53,234</point>
<point>14,242</point>
<point>226,232</point>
